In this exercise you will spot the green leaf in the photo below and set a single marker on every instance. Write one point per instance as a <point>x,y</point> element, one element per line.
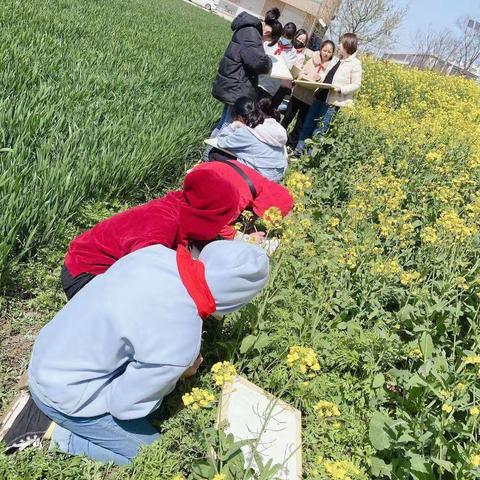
<point>376,433</point>
<point>262,341</point>
<point>418,462</point>
<point>247,343</point>
<point>426,345</point>
<point>378,380</point>
<point>203,470</point>
<point>380,468</point>
<point>448,466</point>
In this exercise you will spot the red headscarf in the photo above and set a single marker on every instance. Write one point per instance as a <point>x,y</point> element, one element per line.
<point>211,202</point>
<point>192,274</point>
<point>281,48</point>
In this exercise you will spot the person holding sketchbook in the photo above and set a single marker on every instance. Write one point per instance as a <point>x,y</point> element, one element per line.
<point>256,138</point>
<point>346,78</point>
<point>314,70</point>
<point>299,44</point>
<point>284,49</point>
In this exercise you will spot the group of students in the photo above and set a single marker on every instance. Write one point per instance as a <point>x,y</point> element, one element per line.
<point>243,79</point>
<point>137,293</point>
<point>139,286</point>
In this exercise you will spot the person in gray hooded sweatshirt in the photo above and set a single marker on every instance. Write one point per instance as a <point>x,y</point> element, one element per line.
<point>256,138</point>
<point>111,355</point>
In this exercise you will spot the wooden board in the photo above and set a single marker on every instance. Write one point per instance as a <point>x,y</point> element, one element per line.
<point>295,71</point>
<point>313,85</point>
<point>246,409</point>
<point>279,68</point>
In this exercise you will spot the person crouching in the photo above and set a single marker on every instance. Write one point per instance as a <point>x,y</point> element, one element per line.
<point>111,355</point>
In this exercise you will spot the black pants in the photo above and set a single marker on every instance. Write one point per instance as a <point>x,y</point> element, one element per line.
<point>295,108</point>
<point>72,285</point>
<point>280,94</point>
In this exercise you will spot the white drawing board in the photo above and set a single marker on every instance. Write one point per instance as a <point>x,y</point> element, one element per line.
<point>246,408</point>
<point>214,143</point>
<point>279,68</point>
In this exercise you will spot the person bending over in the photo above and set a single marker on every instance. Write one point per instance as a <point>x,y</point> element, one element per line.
<point>197,213</point>
<point>256,139</point>
<point>256,193</point>
<point>111,355</point>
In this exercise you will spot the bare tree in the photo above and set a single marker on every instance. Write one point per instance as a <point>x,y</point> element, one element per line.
<point>436,47</point>
<point>468,43</point>
<point>439,49</point>
<point>374,21</point>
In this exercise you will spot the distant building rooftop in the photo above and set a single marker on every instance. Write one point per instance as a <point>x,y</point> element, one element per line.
<point>431,62</point>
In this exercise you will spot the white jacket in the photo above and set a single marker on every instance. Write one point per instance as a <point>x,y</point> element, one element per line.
<point>348,78</point>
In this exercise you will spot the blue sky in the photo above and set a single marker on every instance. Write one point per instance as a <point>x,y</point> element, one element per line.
<point>438,13</point>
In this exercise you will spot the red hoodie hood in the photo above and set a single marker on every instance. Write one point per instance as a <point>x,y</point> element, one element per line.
<point>210,203</point>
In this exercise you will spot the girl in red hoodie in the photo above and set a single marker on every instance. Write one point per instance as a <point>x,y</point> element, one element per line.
<point>256,192</point>
<point>214,195</point>
<point>206,204</point>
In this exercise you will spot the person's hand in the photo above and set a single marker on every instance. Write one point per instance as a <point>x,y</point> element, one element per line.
<point>259,237</point>
<point>337,88</point>
<point>191,371</point>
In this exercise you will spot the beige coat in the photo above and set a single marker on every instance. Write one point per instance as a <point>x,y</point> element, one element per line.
<point>348,79</point>
<point>309,72</point>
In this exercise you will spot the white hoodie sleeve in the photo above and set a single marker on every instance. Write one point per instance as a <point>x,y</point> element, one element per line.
<point>140,389</point>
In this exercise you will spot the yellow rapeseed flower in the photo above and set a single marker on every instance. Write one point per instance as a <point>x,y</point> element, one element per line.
<point>407,278</point>
<point>198,398</point>
<point>326,409</point>
<point>305,223</point>
<point>474,411</point>
<point>472,360</point>
<point>447,407</point>
<point>340,469</point>
<point>297,184</point>
<point>272,218</point>
<point>178,477</point>
<point>304,360</point>
<point>388,268</point>
<point>219,476</point>
<point>475,460</point>
<point>429,236</point>
<point>415,353</point>
<point>223,372</point>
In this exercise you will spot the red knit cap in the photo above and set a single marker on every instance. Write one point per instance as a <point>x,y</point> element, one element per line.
<point>211,203</point>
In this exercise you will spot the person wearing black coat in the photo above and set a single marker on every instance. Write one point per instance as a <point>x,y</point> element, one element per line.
<point>242,62</point>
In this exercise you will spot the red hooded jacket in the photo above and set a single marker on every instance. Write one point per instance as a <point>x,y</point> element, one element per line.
<point>269,194</point>
<point>206,204</point>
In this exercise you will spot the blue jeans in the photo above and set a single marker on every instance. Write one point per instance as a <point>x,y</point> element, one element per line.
<point>102,438</point>
<point>225,120</point>
<point>319,111</point>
